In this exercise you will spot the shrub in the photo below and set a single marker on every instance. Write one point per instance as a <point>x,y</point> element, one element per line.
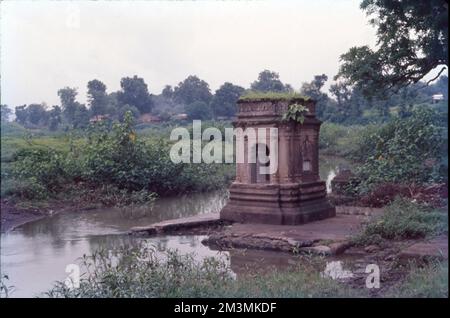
<point>117,156</point>
<point>403,219</point>
<point>385,193</point>
<point>41,166</point>
<point>403,151</point>
<point>29,189</point>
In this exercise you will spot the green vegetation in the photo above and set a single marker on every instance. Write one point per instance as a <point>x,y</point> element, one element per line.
<point>404,151</point>
<point>412,40</point>
<point>295,112</point>
<point>339,140</point>
<point>138,271</point>
<point>224,101</point>
<point>430,281</point>
<point>198,110</point>
<point>343,104</point>
<point>403,219</point>
<point>105,161</point>
<point>269,81</point>
<point>271,96</point>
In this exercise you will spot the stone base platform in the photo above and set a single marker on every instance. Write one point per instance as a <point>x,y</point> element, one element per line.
<point>278,204</point>
<point>327,237</point>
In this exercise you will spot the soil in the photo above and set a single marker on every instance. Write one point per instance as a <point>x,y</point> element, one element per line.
<point>12,216</point>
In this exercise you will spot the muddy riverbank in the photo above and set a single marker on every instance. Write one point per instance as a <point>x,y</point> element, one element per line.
<point>13,217</point>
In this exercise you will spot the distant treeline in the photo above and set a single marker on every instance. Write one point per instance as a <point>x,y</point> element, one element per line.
<point>343,104</point>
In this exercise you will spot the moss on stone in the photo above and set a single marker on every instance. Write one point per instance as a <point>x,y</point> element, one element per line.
<point>256,96</point>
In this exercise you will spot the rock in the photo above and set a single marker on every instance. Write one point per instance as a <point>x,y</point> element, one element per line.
<point>316,250</point>
<point>339,247</point>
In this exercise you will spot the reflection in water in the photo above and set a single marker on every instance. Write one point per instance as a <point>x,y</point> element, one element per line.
<point>33,263</point>
<point>36,254</point>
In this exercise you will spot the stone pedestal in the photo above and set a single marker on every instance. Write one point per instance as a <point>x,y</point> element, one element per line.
<point>293,193</point>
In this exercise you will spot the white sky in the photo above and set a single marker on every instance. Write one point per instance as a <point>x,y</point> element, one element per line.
<point>46,45</point>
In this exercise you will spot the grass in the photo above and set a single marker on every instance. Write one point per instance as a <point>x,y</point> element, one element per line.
<point>272,96</point>
<point>403,219</point>
<point>430,281</point>
<point>138,271</point>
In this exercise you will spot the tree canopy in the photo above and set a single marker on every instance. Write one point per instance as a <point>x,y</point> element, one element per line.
<point>269,81</point>
<point>6,113</point>
<point>97,97</point>
<point>135,93</point>
<point>198,110</point>
<point>225,98</point>
<point>412,40</point>
<point>191,90</point>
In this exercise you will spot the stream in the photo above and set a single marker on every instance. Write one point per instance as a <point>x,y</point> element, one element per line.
<point>36,254</point>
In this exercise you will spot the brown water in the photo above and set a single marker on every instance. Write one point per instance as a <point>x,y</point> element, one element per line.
<point>35,255</point>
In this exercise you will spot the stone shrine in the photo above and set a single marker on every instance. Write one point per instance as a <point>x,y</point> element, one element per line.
<point>293,193</point>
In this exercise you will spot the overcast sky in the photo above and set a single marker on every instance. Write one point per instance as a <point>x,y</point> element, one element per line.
<point>46,45</point>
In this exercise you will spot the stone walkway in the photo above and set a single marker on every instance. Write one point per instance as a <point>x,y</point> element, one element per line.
<point>328,237</point>
<point>188,224</point>
<point>325,237</point>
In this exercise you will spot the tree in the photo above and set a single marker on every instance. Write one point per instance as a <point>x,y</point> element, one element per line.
<point>5,113</point>
<point>224,100</point>
<point>69,106</point>
<point>342,93</point>
<point>81,116</point>
<point>128,108</point>
<point>167,92</point>
<point>21,114</point>
<point>97,97</point>
<point>199,110</point>
<point>313,90</point>
<point>37,114</point>
<point>269,81</point>
<point>135,93</point>
<point>440,87</point>
<point>54,118</point>
<point>191,90</point>
<point>412,40</point>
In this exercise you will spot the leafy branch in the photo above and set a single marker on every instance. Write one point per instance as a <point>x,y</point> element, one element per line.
<point>295,112</point>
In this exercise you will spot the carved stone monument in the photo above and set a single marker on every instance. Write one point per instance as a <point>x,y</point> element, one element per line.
<point>293,192</point>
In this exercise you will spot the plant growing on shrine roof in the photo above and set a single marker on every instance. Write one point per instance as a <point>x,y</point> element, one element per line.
<point>295,112</point>
<point>271,96</point>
